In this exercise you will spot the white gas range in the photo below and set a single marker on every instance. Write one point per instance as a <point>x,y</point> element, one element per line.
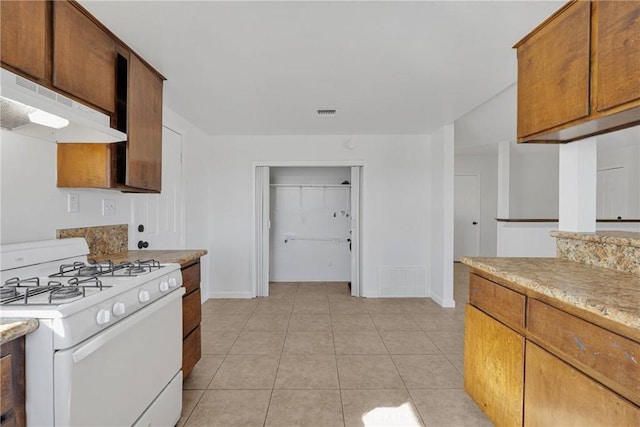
<point>108,348</point>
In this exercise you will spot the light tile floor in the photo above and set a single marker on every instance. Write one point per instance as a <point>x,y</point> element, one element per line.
<point>311,355</point>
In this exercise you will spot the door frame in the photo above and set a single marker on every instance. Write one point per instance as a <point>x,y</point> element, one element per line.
<point>478,213</point>
<point>257,288</point>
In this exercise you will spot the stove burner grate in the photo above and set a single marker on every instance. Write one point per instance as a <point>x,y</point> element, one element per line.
<point>65,292</point>
<point>8,292</point>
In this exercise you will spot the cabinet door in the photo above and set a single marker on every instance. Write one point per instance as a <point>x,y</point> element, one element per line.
<point>617,54</point>
<point>84,57</point>
<point>144,133</point>
<point>556,394</point>
<point>553,71</point>
<point>23,31</point>
<point>494,367</point>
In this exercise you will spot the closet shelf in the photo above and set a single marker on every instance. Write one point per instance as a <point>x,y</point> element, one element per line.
<point>319,239</point>
<point>311,185</point>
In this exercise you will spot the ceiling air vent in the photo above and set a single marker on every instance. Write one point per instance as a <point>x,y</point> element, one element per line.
<point>326,113</point>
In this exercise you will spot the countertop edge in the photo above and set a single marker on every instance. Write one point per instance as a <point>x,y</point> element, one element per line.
<point>11,329</point>
<point>178,256</point>
<point>605,316</point>
<point>612,237</point>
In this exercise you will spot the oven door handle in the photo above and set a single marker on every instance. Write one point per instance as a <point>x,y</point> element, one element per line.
<point>111,333</point>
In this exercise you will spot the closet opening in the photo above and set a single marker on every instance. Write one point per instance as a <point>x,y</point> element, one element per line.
<point>307,226</point>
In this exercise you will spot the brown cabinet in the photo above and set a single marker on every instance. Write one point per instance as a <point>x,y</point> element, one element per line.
<point>616,68</point>
<point>84,57</point>
<point>546,366</point>
<point>24,37</point>
<point>63,47</point>
<point>191,317</point>
<point>492,347</point>
<point>87,165</point>
<point>134,165</point>
<point>556,394</point>
<point>12,383</point>
<point>144,130</point>
<point>578,72</point>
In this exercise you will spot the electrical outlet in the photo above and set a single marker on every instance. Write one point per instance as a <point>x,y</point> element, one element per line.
<point>108,207</point>
<point>73,202</point>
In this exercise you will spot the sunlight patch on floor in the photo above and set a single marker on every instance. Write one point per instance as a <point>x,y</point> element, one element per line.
<point>402,415</point>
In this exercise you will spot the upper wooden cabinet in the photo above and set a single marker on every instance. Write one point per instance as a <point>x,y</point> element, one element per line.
<point>616,68</point>
<point>84,57</point>
<point>63,47</point>
<point>144,130</point>
<point>24,37</point>
<point>579,72</point>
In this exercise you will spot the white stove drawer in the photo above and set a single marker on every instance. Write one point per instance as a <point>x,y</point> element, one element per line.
<point>112,378</point>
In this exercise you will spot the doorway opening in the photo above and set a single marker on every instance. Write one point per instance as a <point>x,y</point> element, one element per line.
<point>307,225</point>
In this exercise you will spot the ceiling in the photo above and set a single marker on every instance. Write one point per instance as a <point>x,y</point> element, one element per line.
<point>387,67</point>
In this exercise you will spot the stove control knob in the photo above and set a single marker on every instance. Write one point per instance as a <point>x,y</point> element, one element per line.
<point>118,309</point>
<point>143,296</point>
<point>164,286</point>
<point>173,282</point>
<point>104,316</point>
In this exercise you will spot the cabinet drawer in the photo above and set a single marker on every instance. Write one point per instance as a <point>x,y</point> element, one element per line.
<point>556,394</point>
<point>191,351</point>
<point>6,379</point>
<point>191,277</point>
<point>609,358</point>
<point>191,312</point>
<point>504,304</point>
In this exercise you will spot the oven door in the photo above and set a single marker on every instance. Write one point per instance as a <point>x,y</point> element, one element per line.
<point>111,378</point>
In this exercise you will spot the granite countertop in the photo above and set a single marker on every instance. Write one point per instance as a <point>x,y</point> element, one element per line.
<point>180,256</point>
<point>623,238</point>
<point>603,296</point>
<point>11,329</point>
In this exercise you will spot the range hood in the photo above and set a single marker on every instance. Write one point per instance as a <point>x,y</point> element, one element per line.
<point>23,100</point>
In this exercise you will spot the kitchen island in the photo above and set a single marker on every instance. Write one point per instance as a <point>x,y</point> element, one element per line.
<point>550,341</point>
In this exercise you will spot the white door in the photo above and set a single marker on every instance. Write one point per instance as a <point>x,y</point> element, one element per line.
<point>466,216</point>
<point>611,202</point>
<point>355,231</point>
<point>162,215</point>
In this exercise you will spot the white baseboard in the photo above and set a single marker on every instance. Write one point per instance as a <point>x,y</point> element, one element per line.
<point>444,302</point>
<point>218,295</point>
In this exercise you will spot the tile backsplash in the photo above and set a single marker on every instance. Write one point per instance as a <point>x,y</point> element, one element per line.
<point>102,240</point>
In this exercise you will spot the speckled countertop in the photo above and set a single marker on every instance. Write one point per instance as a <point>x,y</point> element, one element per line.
<point>623,238</point>
<point>603,296</point>
<point>182,257</point>
<point>11,329</point>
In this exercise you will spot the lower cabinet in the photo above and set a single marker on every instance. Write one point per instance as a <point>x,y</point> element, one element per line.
<point>494,367</point>
<point>191,317</point>
<point>556,394</point>
<point>548,367</point>
<point>12,383</point>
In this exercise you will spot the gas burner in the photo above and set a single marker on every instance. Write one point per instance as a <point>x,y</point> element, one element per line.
<point>89,270</point>
<point>136,270</point>
<point>65,292</point>
<point>8,292</point>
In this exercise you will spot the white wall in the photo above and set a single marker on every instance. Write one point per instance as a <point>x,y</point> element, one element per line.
<point>395,206</point>
<point>486,168</point>
<point>534,182</point>
<point>440,217</point>
<point>32,206</point>
<point>310,213</point>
